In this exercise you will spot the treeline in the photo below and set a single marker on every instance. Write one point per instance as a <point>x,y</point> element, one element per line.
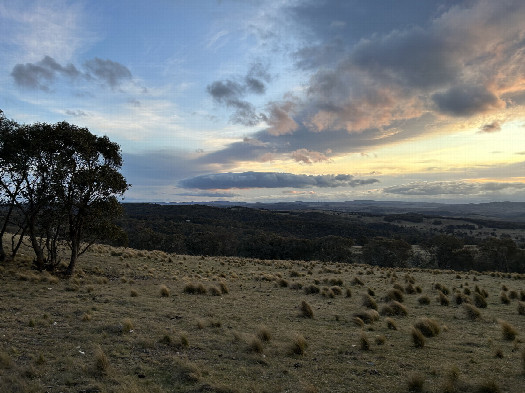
<point>303,235</point>
<point>59,185</point>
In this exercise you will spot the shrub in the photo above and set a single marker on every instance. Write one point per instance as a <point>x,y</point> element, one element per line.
<point>348,292</point>
<point>369,302</point>
<point>306,310</point>
<point>133,293</point>
<point>195,289</point>
<point>513,294</point>
<point>380,340</point>
<point>424,300</point>
<point>214,291</point>
<point>508,331</point>
<point>417,338</point>
<point>428,327</point>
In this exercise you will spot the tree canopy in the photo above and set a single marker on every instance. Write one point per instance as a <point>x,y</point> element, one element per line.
<point>63,184</point>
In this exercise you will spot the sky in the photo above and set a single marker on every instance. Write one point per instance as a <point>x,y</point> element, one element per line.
<point>282,100</point>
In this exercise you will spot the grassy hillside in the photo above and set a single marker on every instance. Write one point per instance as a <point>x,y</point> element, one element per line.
<point>148,321</point>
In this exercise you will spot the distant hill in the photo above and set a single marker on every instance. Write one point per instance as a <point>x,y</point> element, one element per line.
<point>507,211</point>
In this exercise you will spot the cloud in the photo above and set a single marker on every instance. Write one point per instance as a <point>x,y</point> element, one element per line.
<point>76,113</point>
<point>452,188</point>
<point>231,94</point>
<point>308,157</point>
<point>280,119</point>
<point>202,194</point>
<point>109,72</point>
<point>495,126</point>
<point>467,100</point>
<point>42,74</point>
<point>271,180</point>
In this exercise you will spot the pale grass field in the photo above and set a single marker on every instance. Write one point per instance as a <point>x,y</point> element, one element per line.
<point>124,323</point>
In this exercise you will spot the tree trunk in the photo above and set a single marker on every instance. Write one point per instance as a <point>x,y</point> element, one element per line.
<point>75,249</point>
<point>39,253</point>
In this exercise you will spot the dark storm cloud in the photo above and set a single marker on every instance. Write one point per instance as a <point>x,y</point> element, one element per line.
<point>41,75</point>
<point>495,126</point>
<point>108,71</point>
<point>467,100</point>
<point>271,180</point>
<point>452,188</point>
<point>231,93</point>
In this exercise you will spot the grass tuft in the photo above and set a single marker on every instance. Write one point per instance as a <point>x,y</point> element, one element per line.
<point>164,291</point>
<point>428,327</point>
<point>417,337</point>
<point>369,302</point>
<point>263,334</point>
<point>298,345</point>
<point>306,310</point>
<point>101,361</point>
<point>521,308</point>
<point>415,383</point>
<point>508,331</point>
<point>471,311</point>
<point>391,324</point>
<point>364,342</point>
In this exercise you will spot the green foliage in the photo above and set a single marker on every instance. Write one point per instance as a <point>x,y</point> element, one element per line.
<point>63,183</point>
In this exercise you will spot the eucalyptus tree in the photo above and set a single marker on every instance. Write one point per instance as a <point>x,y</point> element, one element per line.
<point>65,182</point>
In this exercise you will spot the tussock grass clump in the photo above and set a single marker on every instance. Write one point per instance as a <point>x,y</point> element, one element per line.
<point>508,331</point>
<point>224,288</point>
<point>357,281</point>
<point>380,340</point>
<point>479,300</point>
<point>443,299</point>
<point>415,383</point>
<point>298,345</point>
<point>364,342</point>
<point>521,308</point>
<point>394,308</point>
<point>311,289</point>
<point>428,327</point>
<point>424,300</point>
<point>164,291</point>
<point>133,293</point>
<point>5,361</point>
<point>368,316</point>
<point>195,289</point>
<point>256,345</point>
<point>101,361</point>
<point>395,294</point>
<point>283,283</point>
<point>371,292</point>
<point>187,372</point>
<point>504,298</point>
<point>513,295</point>
<point>264,334</point>
<point>369,302</point>
<point>522,355</point>
<point>460,298</point>
<point>488,386</point>
<point>348,292</point>
<point>306,310</point>
<point>391,324</point>
<point>358,321</point>
<point>214,291</point>
<point>471,311</point>
<point>127,325</point>
<point>417,337</point>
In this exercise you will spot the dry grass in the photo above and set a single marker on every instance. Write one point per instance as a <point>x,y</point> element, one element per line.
<point>429,327</point>
<point>508,331</point>
<point>240,341</point>
<point>306,310</point>
<point>417,337</point>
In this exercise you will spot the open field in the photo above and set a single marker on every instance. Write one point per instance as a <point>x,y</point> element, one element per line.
<point>138,321</point>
